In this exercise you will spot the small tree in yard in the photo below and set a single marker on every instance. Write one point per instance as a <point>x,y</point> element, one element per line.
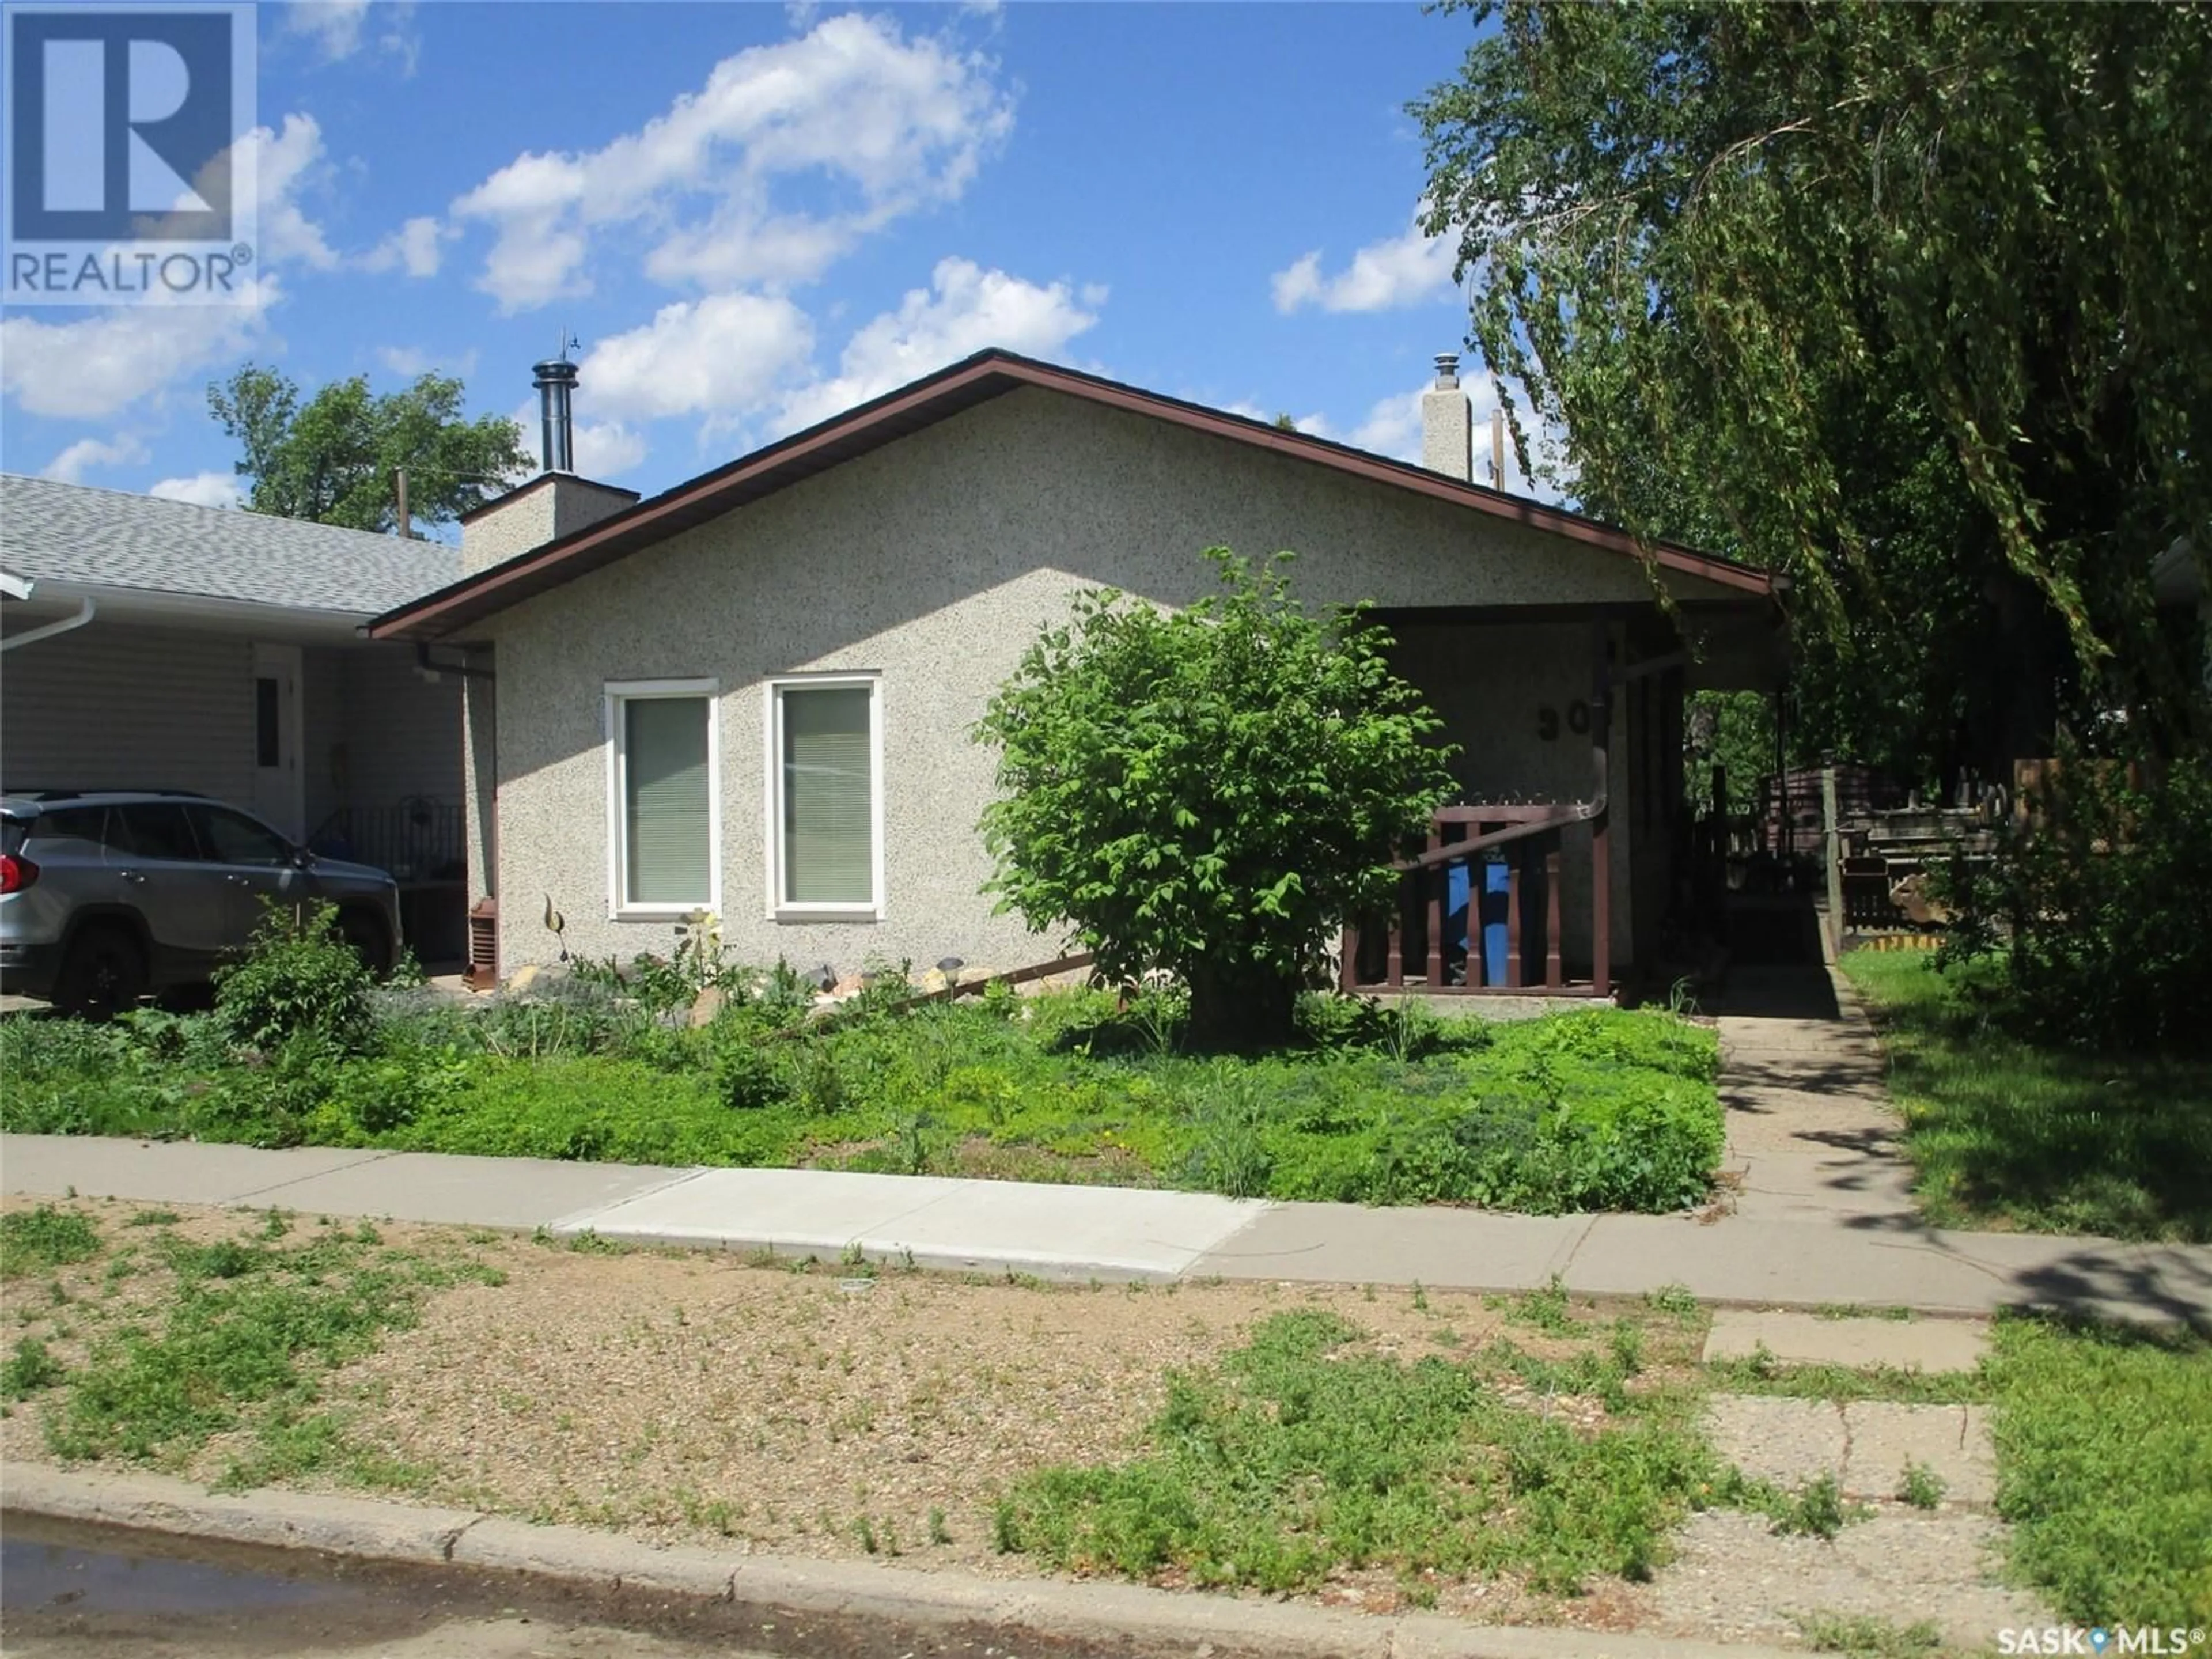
<point>1211,792</point>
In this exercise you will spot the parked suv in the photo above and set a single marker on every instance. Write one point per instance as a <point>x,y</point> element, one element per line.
<point>108,895</point>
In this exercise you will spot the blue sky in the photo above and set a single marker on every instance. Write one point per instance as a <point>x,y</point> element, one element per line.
<point>756,216</point>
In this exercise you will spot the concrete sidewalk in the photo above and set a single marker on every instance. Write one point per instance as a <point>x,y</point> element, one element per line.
<point>1115,1233</point>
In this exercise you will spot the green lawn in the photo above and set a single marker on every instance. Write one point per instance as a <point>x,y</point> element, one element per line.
<point>2104,1443</point>
<point>1593,1109</point>
<point>2009,1133</point>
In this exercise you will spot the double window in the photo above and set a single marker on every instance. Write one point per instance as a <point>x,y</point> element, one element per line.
<point>664,797</point>
<point>822,789</point>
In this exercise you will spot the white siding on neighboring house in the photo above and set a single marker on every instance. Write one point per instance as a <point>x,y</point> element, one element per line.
<point>323,721</point>
<point>110,706</point>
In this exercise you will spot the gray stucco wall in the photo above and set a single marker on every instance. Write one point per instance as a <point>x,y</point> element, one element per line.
<point>933,562</point>
<point>548,507</point>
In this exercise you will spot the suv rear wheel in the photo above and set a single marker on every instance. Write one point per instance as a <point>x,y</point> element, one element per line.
<point>364,932</point>
<point>103,974</point>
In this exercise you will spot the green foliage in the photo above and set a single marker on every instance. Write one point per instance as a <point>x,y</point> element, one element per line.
<point>298,979</point>
<point>1303,1453</point>
<point>332,458</point>
<point>2104,1443</point>
<point>1904,301</point>
<point>249,1334</point>
<point>1209,792</point>
<point>1734,730</point>
<point>36,1241</point>
<point>31,1368</point>
<point>1864,1637</point>
<point>1921,1487</point>
<point>2028,1133</point>
<point>1595,1109</point>
<point>2102,907</point>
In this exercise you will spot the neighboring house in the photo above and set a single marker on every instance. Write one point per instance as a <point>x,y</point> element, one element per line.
<point>753,694</point>
<point>157,644</point>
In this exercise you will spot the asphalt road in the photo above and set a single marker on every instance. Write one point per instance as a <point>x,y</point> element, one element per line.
<point>71,1592</point>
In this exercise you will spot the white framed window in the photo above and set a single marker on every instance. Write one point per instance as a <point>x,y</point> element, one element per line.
<point>825,798</point>
<point>664,797</point>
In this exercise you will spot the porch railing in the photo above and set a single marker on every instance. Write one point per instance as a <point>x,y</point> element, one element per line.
<point>1430,944</point>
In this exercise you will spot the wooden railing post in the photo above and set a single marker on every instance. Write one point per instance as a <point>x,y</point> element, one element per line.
<point>1347,966</point>
<point>1513,921</point>
<point>1555,971</point>
<point>1436,881</point>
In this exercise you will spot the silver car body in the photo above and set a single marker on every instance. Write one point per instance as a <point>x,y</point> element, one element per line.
<point>179,880</point>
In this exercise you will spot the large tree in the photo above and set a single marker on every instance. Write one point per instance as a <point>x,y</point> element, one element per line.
<point>1909,301</point>
<point>332,458</point>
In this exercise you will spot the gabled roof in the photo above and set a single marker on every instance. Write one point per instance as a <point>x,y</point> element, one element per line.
<point>935,398</point>
<point>78,535</point>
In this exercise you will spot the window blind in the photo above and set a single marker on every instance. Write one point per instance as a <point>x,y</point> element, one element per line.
<point>829,817</point>
<point>666,820</point>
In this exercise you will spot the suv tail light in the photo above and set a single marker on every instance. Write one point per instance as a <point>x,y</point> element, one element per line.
<point>16,873</point>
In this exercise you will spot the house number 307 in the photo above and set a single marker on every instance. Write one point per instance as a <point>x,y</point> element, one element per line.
<point>1547,720</point>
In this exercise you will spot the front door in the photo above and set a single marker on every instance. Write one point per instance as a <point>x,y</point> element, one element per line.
<point>279,785</point>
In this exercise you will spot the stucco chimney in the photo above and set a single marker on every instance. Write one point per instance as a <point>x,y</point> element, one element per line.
<point>555,503</point>
<point>1448,424</point>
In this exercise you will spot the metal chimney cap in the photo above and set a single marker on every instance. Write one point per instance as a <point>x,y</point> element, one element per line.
<point>555,371</point>
<point>1447,370</point>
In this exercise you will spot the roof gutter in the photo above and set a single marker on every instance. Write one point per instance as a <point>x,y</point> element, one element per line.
<point>86,611</point>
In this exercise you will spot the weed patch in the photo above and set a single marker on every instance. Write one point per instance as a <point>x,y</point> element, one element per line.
<point>38,1240</point>
<point>1302,1451</point>
<point>1595,1109</point>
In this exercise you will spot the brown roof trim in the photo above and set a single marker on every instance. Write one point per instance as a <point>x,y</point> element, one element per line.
<point>977,379</point>
<point>544,478</point>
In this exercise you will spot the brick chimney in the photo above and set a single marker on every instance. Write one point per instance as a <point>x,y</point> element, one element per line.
<point>555,503</point>
<point>1447,423</point>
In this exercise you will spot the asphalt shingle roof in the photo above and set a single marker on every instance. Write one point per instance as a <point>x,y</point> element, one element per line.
<point>66,532</point>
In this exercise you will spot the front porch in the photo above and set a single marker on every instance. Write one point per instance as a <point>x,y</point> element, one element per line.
<point>1568,864</point>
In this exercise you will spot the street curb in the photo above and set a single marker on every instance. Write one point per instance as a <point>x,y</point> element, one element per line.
<point>1132,1618</point>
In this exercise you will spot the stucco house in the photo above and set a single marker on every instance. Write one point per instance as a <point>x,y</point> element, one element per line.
<point>753,693</point>
<point>160,645</point>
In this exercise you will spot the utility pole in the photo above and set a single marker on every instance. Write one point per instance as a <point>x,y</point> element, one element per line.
<point>399,485</point>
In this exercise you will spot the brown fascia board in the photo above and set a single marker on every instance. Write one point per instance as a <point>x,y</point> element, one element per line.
<point>977,379</point>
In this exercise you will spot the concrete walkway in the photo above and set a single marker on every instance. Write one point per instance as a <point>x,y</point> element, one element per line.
<point>1083,1232</point>
<point>1820,1210</point>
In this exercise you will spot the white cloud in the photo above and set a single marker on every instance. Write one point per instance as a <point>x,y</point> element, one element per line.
<point>340,28</point>
<point>1402,271</point>
<point>90,369</point>
<point>890,125</point>
<point>410,362</point>
<point>201,489</point>
<point>413,248</point>
<point>86,453</point>
<point>286,161</point>
<point>603,449</point>
<point>965,309</point>
<point>717,356</point>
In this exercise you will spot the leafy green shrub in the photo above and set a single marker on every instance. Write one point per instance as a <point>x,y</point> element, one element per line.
<point>2102,905</point>
<point>1211,792</point>
<point>298,977</point>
